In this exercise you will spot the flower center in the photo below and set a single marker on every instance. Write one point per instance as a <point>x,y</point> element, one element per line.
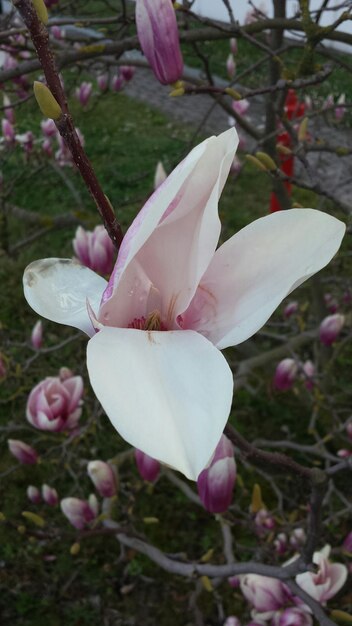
<point>152,322</point>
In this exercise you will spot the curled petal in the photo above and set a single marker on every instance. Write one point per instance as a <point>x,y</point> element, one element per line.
<point>58,288</point>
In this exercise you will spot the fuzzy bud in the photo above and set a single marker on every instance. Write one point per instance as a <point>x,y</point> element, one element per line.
<point>24,453</point>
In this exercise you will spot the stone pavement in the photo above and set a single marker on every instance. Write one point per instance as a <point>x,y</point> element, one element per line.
<point>334,172</point>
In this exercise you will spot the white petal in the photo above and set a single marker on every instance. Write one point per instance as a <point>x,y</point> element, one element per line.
<point>58,289</point>
<point>175,238</point>
<point>257,268</point>
<point>167,393</point>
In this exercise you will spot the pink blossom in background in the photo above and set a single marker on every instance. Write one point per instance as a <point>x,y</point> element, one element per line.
<point>292,616</point>
<point>79,512</point>
<point>158,36</point>
<point>327,581</point>
<point>328,102</point>
<point>233,45</point>
<point>9,112</point>
<point>281,543</point>
<point>116,83</point>
<point>330,328</point>
<point>50,495</point>
<point>240,106</point>
<point>285,374</point>
<point>331,303</point>
<point>340,109</point>
<point>94,249</point>
<point>127,72</point>
<point>344,453</point>
<point>264,522</point>
<point>37,335</point>
<point>290,309</point>
<point>33,494</point>
<point>48,128</point>
<point>173,302</point>
<point>103,81</point>
<point>216,482</point>
<point>83,93</point>
<point>8,131</point>
<point>103,477</point>
<point>309,374</point>
<point>148,468</point>
<point>230,66</point>
<point>47,147</point>
<point>160,175</point>
<point>298,538</point>
<point>57,32</point>
<point>347,544</point>
<point>24,453</point>
<point>232,621</point>
<point>264,594</point>
<point>55,404</point>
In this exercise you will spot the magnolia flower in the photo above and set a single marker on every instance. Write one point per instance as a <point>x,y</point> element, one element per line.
<point>233,45</point>
<point>103,477</point>
<point>23,452</point>
<point>330,328</point>
<point>240,106</point>
<point>327,581</point>
<point>83,93</point>
<point>50,495</point>
<point>148,468</point>
<point>94,249</point>
<point>103,81</point>
<point>173,301</point>
<point>231,65</point>
<point>309,374</point>
<point>37,335</point>
<point>285,374</point>
<point>158,36</point>
<point>80,512</point>
<point>116,83</point>
<point>55,403</point>
<point>290,309</point>
<point>292,616</point>
<point>33,494</point>
<point>127,72</point>
<point>264,594</point>
<point>160,175</point>
<point>340,109</point>
<point>215,483</point>
<point>280,543</point>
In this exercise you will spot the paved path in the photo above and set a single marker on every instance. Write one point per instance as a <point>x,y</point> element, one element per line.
<point>335,173</point>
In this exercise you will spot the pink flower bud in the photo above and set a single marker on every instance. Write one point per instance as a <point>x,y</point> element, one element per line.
<point>234,582</point>
<point>160,175</point>
<point>127,72</point>
<point>281,543</point>
<point>103,477</point>
<point>23,452</point>
<point>309,374</point>
<point>8,131</point>
<point>56,32</point>
<point>94,249</point>
<point>331,303</point>
<point>285,374</point>
<point>349,430</point>
<point>298,538</point>
<point>8,110</point>
<point>263,521</point>
<point>290,309</point>
<point>340,110</point>
<point>233,45</point>
<point>158,36</point>
<point>50,495</point>
<point>347,544</point>
<point>240,106</point>
<point>344,454</point>
<point>83,93</point>
<point>330,328</point>
<point>47,147</point>
<point>48,128</point>
<point>293,616</point>
<point>37,335</point>
<point>103,81</point>
<point>116,83</point>
<point>55,404</point>
<point>78,512</point>
<point>232,621</point>
<point>230,66</point>
<point>148,468</point>
<point>33,494</point>
<point>263,593</point>
<point>216,482</point>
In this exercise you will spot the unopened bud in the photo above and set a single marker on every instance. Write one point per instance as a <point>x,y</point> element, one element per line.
<point>75,548</point>
<point>48,105</point>
<point>302,131</point>
<point>266,160</point>
<point>252,159</point>
<point>33,517</point>
<point>233,93</point>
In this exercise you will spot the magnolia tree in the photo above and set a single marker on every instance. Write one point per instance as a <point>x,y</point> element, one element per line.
<point>160,302</point>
